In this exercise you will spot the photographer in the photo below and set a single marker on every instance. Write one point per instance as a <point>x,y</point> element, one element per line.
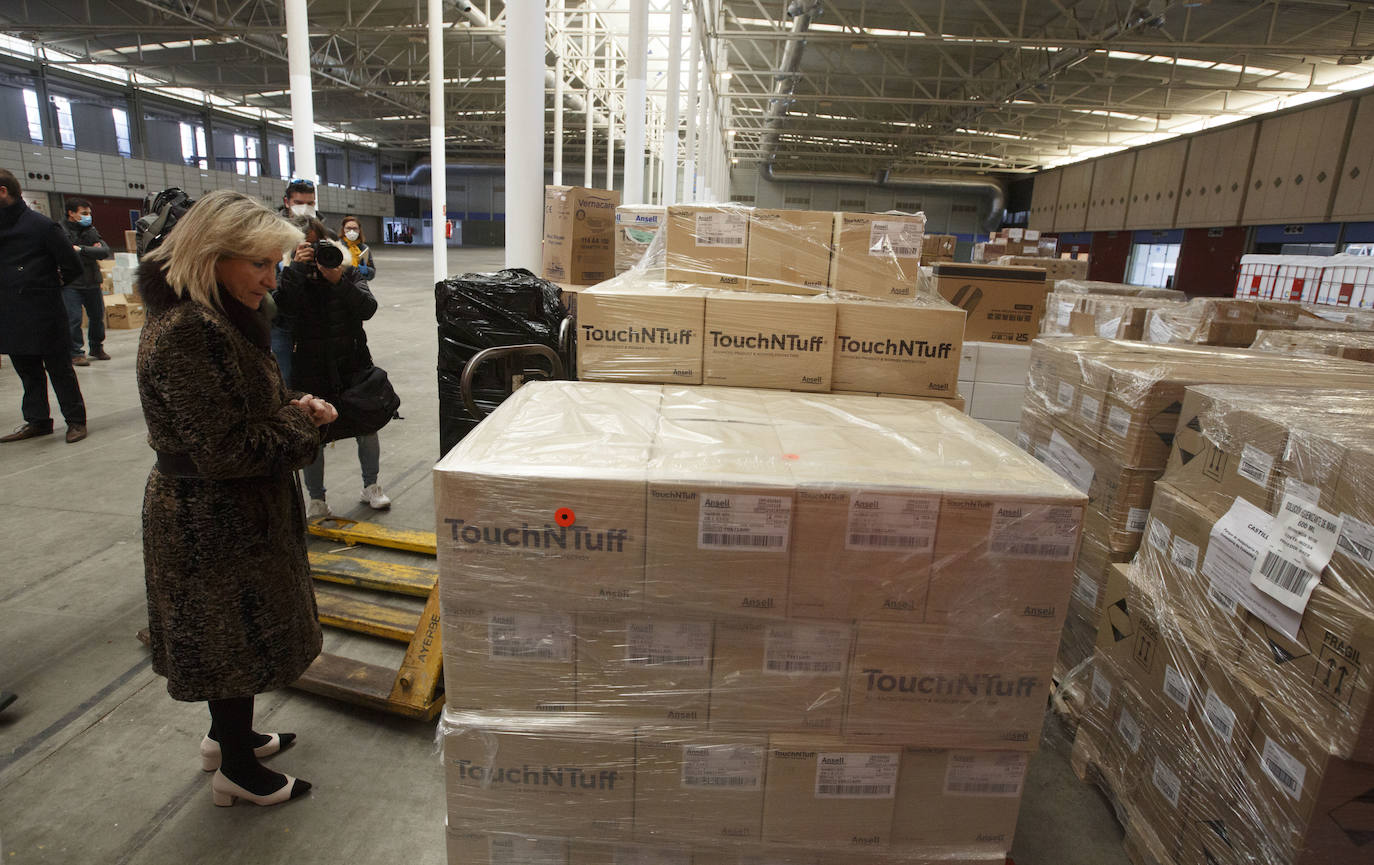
<point>328,301</point>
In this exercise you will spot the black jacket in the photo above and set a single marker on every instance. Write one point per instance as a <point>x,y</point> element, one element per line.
<point>36,260</point>
<point>330,345</point>
<point>92,250</point>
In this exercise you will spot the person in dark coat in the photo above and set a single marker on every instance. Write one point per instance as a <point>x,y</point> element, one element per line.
<point>84,291</point>
<point>231,607</point>
<point>36,260</point>
<point>328,307</point>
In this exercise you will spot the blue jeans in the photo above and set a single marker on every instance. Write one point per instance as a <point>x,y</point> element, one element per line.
<point>369,459</point>
<point>283,343</point>
<point>88,298</point>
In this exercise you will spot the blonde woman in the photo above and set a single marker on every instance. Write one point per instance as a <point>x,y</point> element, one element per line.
<point>231,610</point>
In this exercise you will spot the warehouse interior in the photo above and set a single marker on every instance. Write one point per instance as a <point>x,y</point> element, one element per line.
<point>1094,272</point>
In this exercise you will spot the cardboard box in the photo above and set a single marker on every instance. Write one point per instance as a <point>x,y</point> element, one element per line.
<point>707,245</point>
<point>968,799</point>
<point>507,660</point>
<point>789,251</point>
<point>640,333</point>
<point>635,228</point>
<point>997,401</point>
<point>1055,268</point>
<point>827,791</point>
<point>123,313</point>
<point>771,341</point>
<point>781,676</point>
<point>938,247</point>
<point>699,788</point>
<point>579,234</point>
<point>644,669</point>
<point>499,492</point>
<point>1223,451</point>
<point>907,347</point>
<point>1004,304</point>
<point>999,363</point>
<point>131,241</point>
<point>544,779</point>
<point>968,363</point>
<point>949,687</point>
<point>877,254</point>
<point>469,845</point>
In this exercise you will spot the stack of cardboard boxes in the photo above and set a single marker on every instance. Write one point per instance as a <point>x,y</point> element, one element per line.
<point>1056,269</point>
<point>938,247</point>
<point>1235,322</point>
<point>725,625</point>
<point>1016,241</point>
<point>1106,309</point>
<point>1317,343</point>
<point>992,380</point>
<point>1228,703</point>
<point>123,305</point>
<point>1103,414</point>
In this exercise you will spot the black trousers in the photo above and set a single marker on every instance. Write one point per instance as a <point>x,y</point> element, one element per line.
<point>34,371</point>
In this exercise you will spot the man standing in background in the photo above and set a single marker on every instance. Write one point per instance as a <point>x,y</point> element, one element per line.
<point>36,260</point>
<point>84,293</point>
<point>298,200</point>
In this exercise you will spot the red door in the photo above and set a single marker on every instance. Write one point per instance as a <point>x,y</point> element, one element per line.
<point>1110,251</point>
<point>1209,262</point>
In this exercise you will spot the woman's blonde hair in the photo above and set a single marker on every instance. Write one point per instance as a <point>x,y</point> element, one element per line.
<point>223,224</point>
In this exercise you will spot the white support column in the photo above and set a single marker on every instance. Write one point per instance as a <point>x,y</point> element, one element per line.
<point>649,175</point>
<point>302,103</point>
<point>708,149</point>
<point>636,63</point>
<point>690,184</point>
<point>726,121</point>
<point>608,87</point>
<point>670,117</point>
<point>587,80</point>
<point>524,132</point>
<point>559,43</point>
<point>438,170</point>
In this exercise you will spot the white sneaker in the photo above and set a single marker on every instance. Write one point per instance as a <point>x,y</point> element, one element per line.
<point>373,497</point>
<point>317,510</point>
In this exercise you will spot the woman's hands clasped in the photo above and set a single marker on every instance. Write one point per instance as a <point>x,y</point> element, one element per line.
<point>319,411</point>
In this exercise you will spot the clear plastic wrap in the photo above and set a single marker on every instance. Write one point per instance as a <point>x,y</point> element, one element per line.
<point>1104,309</point>
<point>1231,321</point>
<point>636,226</point>
<point>1309,343</point>
<point>1056,269</point>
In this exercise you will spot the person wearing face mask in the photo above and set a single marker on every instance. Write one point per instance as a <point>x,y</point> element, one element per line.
<point>328,306</point>
<point>231,604</point>
<point>352,232</point>
<point>297,202</point>
<point>84,292</point>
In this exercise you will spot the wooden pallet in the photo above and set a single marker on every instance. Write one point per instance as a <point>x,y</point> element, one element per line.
<point>1140,843</point>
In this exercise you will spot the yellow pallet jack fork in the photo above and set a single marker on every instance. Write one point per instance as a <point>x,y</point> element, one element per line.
<point>413,690</point>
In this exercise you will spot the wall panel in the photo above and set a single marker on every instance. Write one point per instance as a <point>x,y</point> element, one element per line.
<point>1155,187</point>
<point>1111,192</point>
<point>1045,199</point>
<point>1296,162</point>
<point>1355,190</point>
<point>1075,188</point>
<point>1216,177</point>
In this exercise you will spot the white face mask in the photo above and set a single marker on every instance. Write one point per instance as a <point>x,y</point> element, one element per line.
<point>303,210</point>
<point>351,235</point>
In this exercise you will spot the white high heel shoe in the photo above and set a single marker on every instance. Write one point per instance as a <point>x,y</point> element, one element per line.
<point>226,792</point>
<point>210,755</point>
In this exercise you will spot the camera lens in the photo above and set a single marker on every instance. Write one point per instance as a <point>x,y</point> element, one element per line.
<point>328,255</point>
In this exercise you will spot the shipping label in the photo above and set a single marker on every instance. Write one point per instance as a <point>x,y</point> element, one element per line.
<point>816,650</point>
<point>1102,689</point>
<point>520,850</point>
<point>1129,730</point>
<point>529,637</point>
<point>1066,462</point>
<point>1026,531</point>
<point>1119,421</point>
<point>1160,537</point>
<point>722,229</point>
<point>1166,781</point>
<point>985,773</point>
<point>731,521</point>
<point>1176,687</point>
<point>1256,465</point>
<point>722,767</point>
<point>894,523</point>
<point>1184,554</point>
<point>898,237</point>
<point>1283,768</point>
<point>1089,408</point>
<point>1136,518</point>
<point>856,775</point>
<point>1085,590</point>
<point>1220,716</point>
<point>1356,540</point>
<point>1299,490</point>
<point>682,644</point>
<point>1232,551</point>
<point>1299,547</point>
<point>1065,394</point>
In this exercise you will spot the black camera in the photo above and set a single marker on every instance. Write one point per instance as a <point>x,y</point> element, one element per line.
<point>327,254</point>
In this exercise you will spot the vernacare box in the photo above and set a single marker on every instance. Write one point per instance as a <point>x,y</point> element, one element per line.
<point>635,228</point>
<point>707,245</point>
<point>632,331</point>
<point>827,791</point>
<point>1004,304</point>
<point>903,347</point>
<point>877,254</point>
<point>530,516</point>
<point>539,777</point>
<point>579,234</point>
<point>699,787</point>
<point>720,508</point>
<point>968,799</point>
<point>783,676</point>
<point>949,687</point>
<point>767,340</point>
<point>644,669</point>
<point>508,660</point>
<point>789,251</point>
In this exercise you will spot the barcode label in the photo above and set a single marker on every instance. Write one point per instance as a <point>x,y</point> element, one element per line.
<point>1184,554</point>
<point>892,522</point>
<point>1256,465</point>
<point>1220,716</point>
<point>1119,421</point>
<point>1089,408</point>
<point>743,522</point>
<point>1283,769</point>
<point>658,643</point>
<point>1063,313</point>
<point>1102,689</point>
<point>1285,574</point>
<point>1129,730</point>
<point>722,767</point>
<point>1061,458</point>
<point>513,850</point>
<point>1085,590</point>
<point>1299,547</point>
<point>1356,540</point>
<point>529,637</point>
<point>1176,687</point>
<point>722,229</point>
<point>810,649</point>
<point>1167,782</point>
<point>1136,518</point>
<point>979,773</point>
<point>1065,395</point>
<point>895,237</point>
<point>1027,531</point>
<point>856,775</point>
<point>1299,490</point>
<point>1160,537</point>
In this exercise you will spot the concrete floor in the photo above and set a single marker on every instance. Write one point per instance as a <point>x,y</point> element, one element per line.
<point>99,765</point>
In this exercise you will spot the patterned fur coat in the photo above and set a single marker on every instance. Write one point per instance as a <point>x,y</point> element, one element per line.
<point>231,608</point>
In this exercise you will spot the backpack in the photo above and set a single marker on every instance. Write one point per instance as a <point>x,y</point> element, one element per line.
<point>160,215</point>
